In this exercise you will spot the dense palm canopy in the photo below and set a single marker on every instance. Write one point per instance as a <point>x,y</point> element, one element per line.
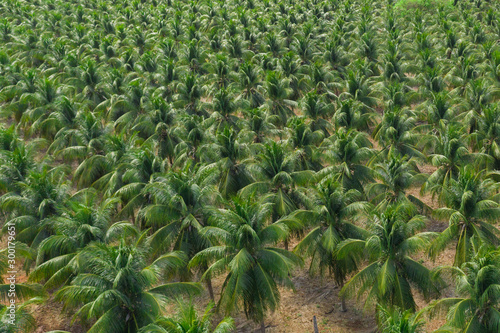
<point>147,146</point>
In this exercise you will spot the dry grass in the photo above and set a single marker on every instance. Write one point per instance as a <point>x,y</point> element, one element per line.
<point>50,316</point>
<point>312,296</point>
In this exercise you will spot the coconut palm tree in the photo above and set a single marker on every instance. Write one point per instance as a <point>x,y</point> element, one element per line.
<point>117,287</point>
<point>20,320</point>
<point>227,156</point>
<point>177,213</point>
<point>476,305</point>
<point>188,320</point>
<point>250,83</point>
<point>279,182</point>
<point>278,92</point>
<point>485,138</point>
<point>394,132</point>
<point>335,210</point>
<point>358,87</point>
<point>391,275</point>
<point>19,161</point>
<point>395,176</point>
<point>258,124</point>
<point>41,197</point>
<point>350,114</point>
<point>393,320</point>
<point>450,154</point>
<point>304,142</point>
<point>471,207</point>
<point>316,109</point>
<point>83,222</point>
<point>23,291</point>
<point>348,151</point>
<point>244,253</point>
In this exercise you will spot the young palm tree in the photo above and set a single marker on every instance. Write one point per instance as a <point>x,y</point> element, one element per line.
<point>335,209</point>
<point>391,275</point>
<point>394,132</point>
<point>254,268</point>
<point>18,162</point>
<point>23,321</point>
<point>41,197</point>
<point>393,320</point>
<point>227,155</point>
<point>250,83</point>
<point>486,138</point>
<point>277,179</point>
<point>258,125</point>
<point>223,108</point>
<point>470,210</point>
<point>450,154</point>
<point>194,135</point>
<point>23,291</point>
<point>83,222</point>
<point>278,92</point>
<point>358,87</point>
<point>475,308</point>
<point>117,287</point>
<point>348,151</point>
<point>350,114</point>
<point>85,140</point>
<point>396,176</point>
<point>439,109</point>
<point>178,213</point>
<point>189,96</point>
<point>304,142</point>
<point>133,171</point>
<point>188,320</point>
<point>315,108</point>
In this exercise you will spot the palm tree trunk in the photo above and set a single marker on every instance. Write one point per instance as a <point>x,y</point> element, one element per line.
<point>209,284</point>
<point>210,289</point>
<point>343,307</point>
<point>262,326</point>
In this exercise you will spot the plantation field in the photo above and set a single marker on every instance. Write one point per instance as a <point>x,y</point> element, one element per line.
<point>244,166</point>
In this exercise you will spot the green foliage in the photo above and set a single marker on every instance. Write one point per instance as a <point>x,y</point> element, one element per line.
<point>147,146</point>
<point>188,320</point>
<point>408,6</point>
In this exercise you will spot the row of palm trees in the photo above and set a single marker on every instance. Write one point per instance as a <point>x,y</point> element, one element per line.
<point>150,148</point>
